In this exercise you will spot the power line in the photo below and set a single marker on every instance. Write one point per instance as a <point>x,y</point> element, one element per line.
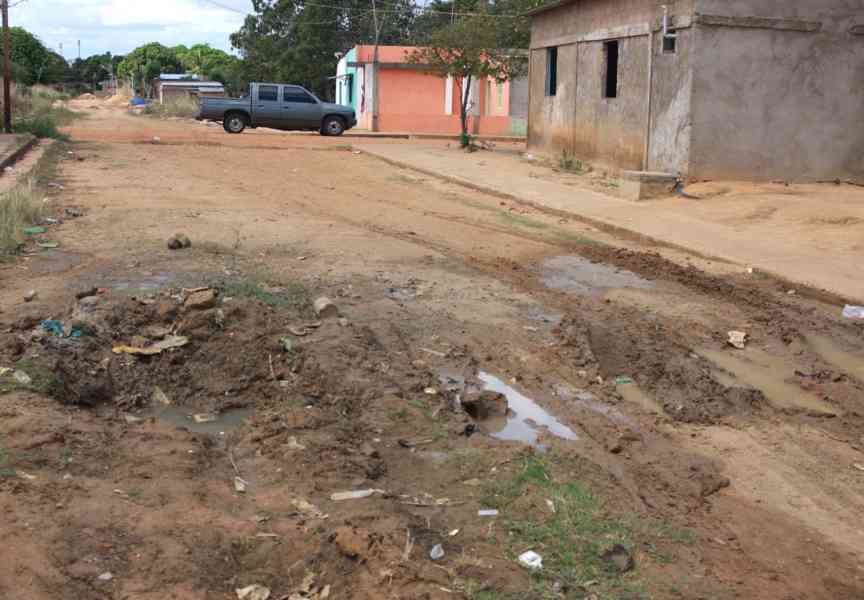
<point>412,7</point>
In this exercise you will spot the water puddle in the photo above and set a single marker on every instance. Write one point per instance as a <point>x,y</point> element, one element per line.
<point>224,422</point>
<point>52,262</point>
<point>588,401</point>
<point>636,395</point>
<point>827,349</point>
<point>524,418</point>
<point>148,283</point>
<point>577,275</point>
<point>767,374</point>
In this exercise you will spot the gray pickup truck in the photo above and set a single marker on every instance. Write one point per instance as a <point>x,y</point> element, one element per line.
<point>278,106</point>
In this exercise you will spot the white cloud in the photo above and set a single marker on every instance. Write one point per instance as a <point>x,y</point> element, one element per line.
<point>119,26</point>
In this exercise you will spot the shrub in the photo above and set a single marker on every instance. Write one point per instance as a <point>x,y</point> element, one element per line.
<point>21,206</point>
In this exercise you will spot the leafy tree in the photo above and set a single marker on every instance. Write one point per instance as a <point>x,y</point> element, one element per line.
<point>147,62</point>
<point>469,50</point>
<point>88,72</point>
<point>32,62</point>
<point>294,41</point>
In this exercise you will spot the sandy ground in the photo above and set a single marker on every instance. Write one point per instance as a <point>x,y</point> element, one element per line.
<point>722,473</point>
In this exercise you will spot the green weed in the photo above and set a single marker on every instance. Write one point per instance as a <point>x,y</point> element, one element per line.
<point>293,295</point>
<point>568,162</point>
<point>20,207</point>
<point>177,107</point>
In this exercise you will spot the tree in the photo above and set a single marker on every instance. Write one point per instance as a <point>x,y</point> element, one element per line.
<point>32,62</point>
<point>470,50</point>
<point>295,41</point>
<point>147,62</point>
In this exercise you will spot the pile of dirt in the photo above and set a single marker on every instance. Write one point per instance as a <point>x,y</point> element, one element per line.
<point>683,383</point>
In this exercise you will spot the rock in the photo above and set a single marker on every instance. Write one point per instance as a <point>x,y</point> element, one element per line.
<point>352,543</point>
<point>711,483</point>
<point>485,404</point>
<point>618,559</point>
<point>83,293</point>
<point>201,300</point>
<point>30,296</point>
<point>89,302</point>
<point>325,308</point>
<point>179,241</point>
<point>73,212</point>
<point>166,310</point>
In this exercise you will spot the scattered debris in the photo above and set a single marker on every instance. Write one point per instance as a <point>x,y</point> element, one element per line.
<point>205,418</point>
<point>485,404</point>
<point>293,444</point>
<point>240,485</point>
<point>853,312</point>
<point>5,371</point>
<point>253,592</point>
<point>308,509</point>
<point>48,245</point>
<point>201,299</point>
<point>343,322</point>
<point>34,230</point>
<point>434,352</point>
<point>623,380</point>
<point>737,339</point>
<point>172,341</point>
<point>858,466</point>
<point>106,576</point>
<point>618,559</point>
<point>287,344</point>
<point>454,533</point>
<point>57,328</point>
<point>22,378</point>
<point>531,560</point>
<point>487,512</point>
<point>325,308</point>
<point>30,296</point>
<point>159,397</point>
<point>355,495</point>
<point>132,419</point>
<point>73,212</point>
<point>179,241</point>
<point>437,552</point>
<point>298,331</point>
<point>430,391</point>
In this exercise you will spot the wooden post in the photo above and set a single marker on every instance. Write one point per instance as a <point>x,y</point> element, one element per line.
<point>7,70</point>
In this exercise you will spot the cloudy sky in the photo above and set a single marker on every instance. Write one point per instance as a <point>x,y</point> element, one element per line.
<point>119,26</point>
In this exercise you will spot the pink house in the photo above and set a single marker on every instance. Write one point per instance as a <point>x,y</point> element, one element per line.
<point>413,100</point>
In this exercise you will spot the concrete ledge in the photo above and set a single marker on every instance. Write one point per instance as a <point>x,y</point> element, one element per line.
<point>645,185</point>
<point>22,146</point>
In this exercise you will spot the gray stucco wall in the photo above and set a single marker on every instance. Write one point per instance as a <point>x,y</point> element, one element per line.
<point>578,119</point>
<point>779,104</point>
<point>671,89</point>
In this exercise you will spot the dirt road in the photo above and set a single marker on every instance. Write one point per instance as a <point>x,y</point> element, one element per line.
<point>642,456</point>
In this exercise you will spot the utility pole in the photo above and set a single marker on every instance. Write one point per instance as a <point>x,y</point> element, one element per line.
<point>375,68</point>
<point>7,70</point>
<point>79,49</point>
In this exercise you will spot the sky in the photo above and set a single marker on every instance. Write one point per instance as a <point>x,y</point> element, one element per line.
<point>118,26</point>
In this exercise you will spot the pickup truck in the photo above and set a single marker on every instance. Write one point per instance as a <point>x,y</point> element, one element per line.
<point>278,106</point>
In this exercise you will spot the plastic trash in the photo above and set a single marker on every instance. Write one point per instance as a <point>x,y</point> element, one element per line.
<point>22,378</point>
<point>355,495</point>
<point>57,328</point>
<point>531,560</point>
<point>240,484</point>
<point>171,341</point>
<point>34,230</point>
<point>623,380</point>
<point>106,576</point>
<point>853,312</point>
<point>437,552</point>
<point>487,512</point>
<point>253,592</point>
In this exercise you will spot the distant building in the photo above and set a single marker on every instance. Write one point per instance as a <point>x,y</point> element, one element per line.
<point>743,89</point>
<point>171,86</point>
<point>413,100</point>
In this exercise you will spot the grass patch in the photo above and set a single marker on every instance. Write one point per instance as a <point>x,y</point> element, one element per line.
<point>20,207</point>
<point>521,221</point>
<point>43,380</point>
<point>176,107</point>
<point>571,539</point>
<point>571,164</point>
<point>293,295</point>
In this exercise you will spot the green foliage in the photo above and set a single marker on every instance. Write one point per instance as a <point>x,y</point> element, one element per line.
<point>294,295</point>
<point>176,107</point>
<point>32,62</point>
<point>291,41</point>
<point>42,126</point>
<point>88,72</point>
<point>20,207</point>
<point>147,62</point>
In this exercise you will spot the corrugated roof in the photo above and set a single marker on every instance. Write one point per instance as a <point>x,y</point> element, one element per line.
<point>198,84</point>
<point>179,77</point>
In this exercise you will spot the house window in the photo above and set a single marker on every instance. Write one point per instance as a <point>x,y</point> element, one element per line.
<point>610,82</point>
<point>551,71</point>
<point>349,81</point>
<point>500,90</point>
<point>488,99</point>
<point>670,43</point>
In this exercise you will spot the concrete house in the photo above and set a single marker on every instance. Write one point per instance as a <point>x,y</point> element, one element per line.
<point>412,100</point>
<point>727,89</point>
<point>174,86</point>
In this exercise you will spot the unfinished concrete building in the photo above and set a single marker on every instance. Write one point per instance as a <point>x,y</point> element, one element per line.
<point>718,89</point>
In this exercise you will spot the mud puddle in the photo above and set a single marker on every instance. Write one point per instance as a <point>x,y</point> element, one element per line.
<point>632,393</point>
<point>827,349</point>
<point>767,374</point>
<point>212,424</point>
<point>525,419</point>
<point>587,401</point>
<point>577,275</point>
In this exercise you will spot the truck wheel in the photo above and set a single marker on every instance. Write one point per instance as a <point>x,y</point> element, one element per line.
<point>333,126</point>
<point>234,123</point>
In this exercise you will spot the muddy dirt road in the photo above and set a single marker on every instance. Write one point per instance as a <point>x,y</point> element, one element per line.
<point>641,455</point>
